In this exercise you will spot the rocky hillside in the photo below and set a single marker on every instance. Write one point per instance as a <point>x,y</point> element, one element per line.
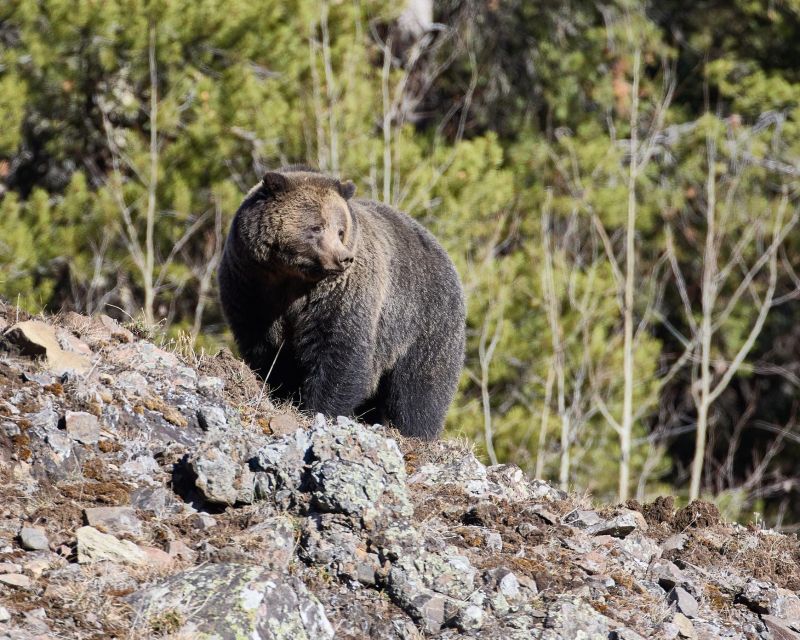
<point>149,495</point>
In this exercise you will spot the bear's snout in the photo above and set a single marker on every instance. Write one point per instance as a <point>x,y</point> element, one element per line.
<point>345,260</point>
<point>336,263</point>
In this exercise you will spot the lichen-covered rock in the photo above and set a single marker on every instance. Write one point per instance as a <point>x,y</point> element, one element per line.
<point>230,602</point>
<point>357,472</point>
<point>222,473</point>
<point>571,618</point>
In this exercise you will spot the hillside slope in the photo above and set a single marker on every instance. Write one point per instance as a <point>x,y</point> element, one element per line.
<point>146,496</point>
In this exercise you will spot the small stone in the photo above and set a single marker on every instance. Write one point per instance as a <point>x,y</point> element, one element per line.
<point>5,616</point>
<point>95,546</point>
<point>179,549</point>
<point>432,612</point>
<point>509,586</point>
<point>10,567</point>
<point>685,626</point>
<point>493,542</point>
<point>684,602</point>
<point>16,580</point>
<point>210,386</point>
<point>619,526</point>
<point>82,427</point>
<point>779,630</point>
<point>470,617</point>
<point>282,424</point>
<point>35,568</point>
<point>216,476</point>
<point>203,521</point>
<point>667,574</point>
<point>548,516</point>
<point>114,520</point>
<point>211,418</point>
<point>156,557</point>
<point>592,562</point>
<point>34,539</point>
<point>36,338</point>
<point>118,332</point>
<point>624,634</point>
<point>60,443</point>
<point>582,519</point>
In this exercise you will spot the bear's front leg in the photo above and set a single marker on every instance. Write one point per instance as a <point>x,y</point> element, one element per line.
<point>338,375</point>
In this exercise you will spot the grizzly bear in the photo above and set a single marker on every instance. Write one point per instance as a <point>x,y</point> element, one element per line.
<point>346,306</point>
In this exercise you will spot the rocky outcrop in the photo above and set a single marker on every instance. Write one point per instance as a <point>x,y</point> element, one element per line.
<point>146,494</point>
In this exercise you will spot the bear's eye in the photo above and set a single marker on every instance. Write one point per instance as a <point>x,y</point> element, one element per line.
<point>341,234</point>
<point>316,228</point>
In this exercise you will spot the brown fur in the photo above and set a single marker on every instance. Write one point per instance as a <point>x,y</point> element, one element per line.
<point>346,305</point>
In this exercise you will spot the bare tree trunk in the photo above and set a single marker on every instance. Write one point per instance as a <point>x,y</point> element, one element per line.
<point>630,274</point>
<point>387,122</point>
<point>206,277</point>
<point>330,87</point>
<point>540,449</point>
<point>553,314</point>
<point>708,299</point>
<point>149,252</point>
<point>485,355</point>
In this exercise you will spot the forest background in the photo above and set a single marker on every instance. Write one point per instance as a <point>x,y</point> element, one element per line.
<point>616,181</point>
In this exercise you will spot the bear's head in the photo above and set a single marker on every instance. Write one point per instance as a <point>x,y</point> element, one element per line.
<point>299,222</point>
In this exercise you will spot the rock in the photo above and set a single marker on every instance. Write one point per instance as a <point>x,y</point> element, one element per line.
<point>142,466</point>
<point>94,546</point>
<point>573,618</point>
<point>282,424</point>
<point>685,626</point>
<point>179,549</point>
<point>36,567</point>
<point>357,472</point>
<point>211,387</point>
<point>470,618</point>
<point>624,634</point>
<point>10,567</point>
<point>114,520</point>
<point>82,427</point>
<point>34,539</point>
<point>16,580</point>
<point>145,358</point>
<point>230,601</point>
<point>619,526</point>
<point>683,601</point>
<point>677,541</point>
<point>212,418</point>
<point>115,329</point>
<point>221,477</point>
<point>36,338</point>
<point>5,616</point>
<point>779,630</point>
<point>764,598</point>
<point>275,541</point>
<point>582,519</point>
<point>203,521</point>
<point>667,574</point>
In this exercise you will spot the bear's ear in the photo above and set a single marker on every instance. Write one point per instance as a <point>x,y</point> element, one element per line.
<point>274,182</point>
<point>346,189</point>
